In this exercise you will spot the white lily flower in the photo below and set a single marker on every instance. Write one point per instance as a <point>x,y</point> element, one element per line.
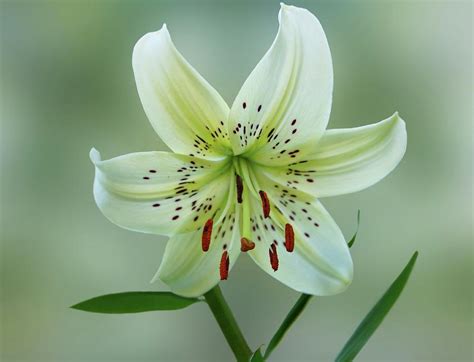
<point>246,178</point>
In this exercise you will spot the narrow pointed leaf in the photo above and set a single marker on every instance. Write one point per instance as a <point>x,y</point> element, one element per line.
<point>372,321</point>
<point>134,302</point>
<point>257,356</point>
<point>287,322</point>
<point>353,239</point>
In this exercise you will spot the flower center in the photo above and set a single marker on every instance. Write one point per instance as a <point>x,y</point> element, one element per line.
<point>246,189</point>
<point>247,193</point>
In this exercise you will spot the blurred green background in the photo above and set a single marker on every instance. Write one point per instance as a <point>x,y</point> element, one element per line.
<point>67,85</point>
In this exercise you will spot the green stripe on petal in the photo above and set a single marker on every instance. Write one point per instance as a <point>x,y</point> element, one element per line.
<point>346,160</point>
<point>186,112</point>
<point>284,104</point>
<point>160,192</point>
<point>189,271</point>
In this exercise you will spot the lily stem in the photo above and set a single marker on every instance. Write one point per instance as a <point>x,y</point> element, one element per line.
<point>228,324</point>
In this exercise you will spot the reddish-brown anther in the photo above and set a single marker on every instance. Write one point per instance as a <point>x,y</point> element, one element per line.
<point>272,252</point>
<point>240,188</point>
<point>265,203</point>
<point>289,238</point>
<point>224,266</point>
<point>246,244</point>
<point>206,235</point>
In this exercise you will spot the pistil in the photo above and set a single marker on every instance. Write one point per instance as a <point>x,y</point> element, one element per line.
<point>243,198</point>
<point>246,227</point>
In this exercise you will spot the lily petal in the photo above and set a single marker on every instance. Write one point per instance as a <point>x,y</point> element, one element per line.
<point>189,271</point>
<point>186,112</point>
<point>320,263</point>
<point>284,105</point>
<point>160,192</point>
<point>346,160</point>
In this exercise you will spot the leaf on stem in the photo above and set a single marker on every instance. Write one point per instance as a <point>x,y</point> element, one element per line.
<point>372,321</point>
<point>134,302</point>
<point>287,322</point>
<point>353,239</point>
<point>257,356</point>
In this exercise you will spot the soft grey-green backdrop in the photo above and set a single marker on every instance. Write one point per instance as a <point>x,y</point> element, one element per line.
<point>67,85</point>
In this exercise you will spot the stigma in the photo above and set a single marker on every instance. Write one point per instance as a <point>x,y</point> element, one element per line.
<point>246,244</point>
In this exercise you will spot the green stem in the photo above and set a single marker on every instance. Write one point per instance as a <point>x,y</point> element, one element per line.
<point>228,324</point>
<point>286,324</point>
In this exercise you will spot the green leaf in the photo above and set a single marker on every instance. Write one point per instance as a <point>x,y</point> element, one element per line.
<point>257,356</point>
<point>134,302</point>
<point>351,242</point>
<point>372,321</point>
<point>287,322</point>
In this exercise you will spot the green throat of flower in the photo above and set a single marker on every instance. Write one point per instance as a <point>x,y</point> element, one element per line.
<point>247,187</point>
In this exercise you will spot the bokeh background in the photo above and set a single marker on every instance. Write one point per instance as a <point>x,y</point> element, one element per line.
<point>67,85</point>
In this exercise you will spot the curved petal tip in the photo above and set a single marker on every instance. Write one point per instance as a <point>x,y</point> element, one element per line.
<point>283,8</point>
<point>396,119</point>
<point>163,29</point>
<point>94,155</point>
<point>151,38</point>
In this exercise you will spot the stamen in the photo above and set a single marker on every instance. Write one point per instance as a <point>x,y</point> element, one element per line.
<point>246,244</point>
<point>240,188</point>
<point>265,203</point>
<point>289,238</point>
<point>224,266</point>
<point>206,235</point>
<point>273,257</point>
